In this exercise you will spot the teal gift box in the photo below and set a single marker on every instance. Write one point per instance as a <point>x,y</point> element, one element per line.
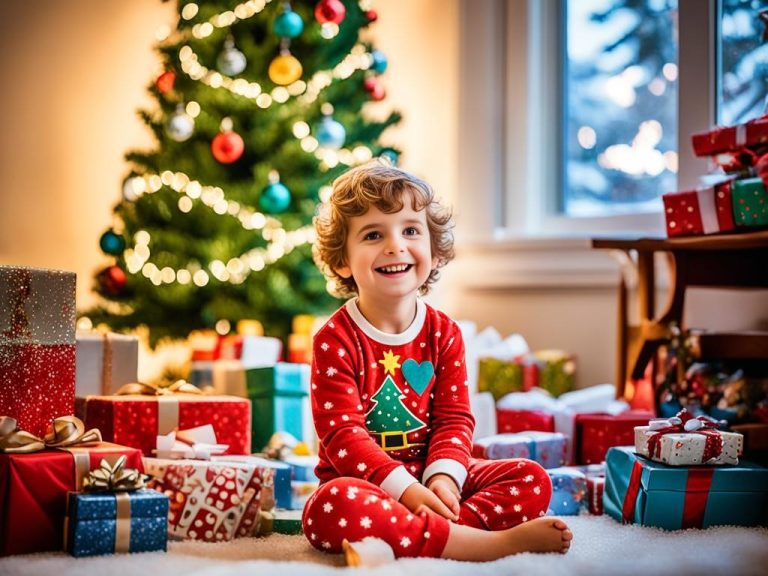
<point>99,523</point>
<point>279,401</point>
<point>641,491</point>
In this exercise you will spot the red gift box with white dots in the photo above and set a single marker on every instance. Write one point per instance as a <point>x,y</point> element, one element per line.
<point>728,138</point>
<point>522,420</point>
<point>136,421</point>
<point>37,346</point>
<point>212,501</point>
<point>696,212</point>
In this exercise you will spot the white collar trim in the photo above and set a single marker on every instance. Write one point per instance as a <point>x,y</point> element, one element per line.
<point>374,333</point>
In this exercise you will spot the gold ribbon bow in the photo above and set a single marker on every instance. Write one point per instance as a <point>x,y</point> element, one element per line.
<point>63,431</point>
<point>113,478</point>
<point>179,387</point>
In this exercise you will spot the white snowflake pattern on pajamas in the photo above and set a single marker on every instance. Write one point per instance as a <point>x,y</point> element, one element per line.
<point>331,372</point>
<point>405,542</point>
<point>328,405</point>
<point>342,352</point>
<point>327,507</point>
<point>324,346</point>
<point>365,522</point>
<point>341,453</point>
<point>362,466</point>
<point>343,522</point>
<point>334,490</point>
<point>498,509</point>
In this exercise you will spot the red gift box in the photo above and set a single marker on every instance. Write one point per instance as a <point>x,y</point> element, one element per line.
<point>728,138</point>
<point>37,346</point>
<point>137,420</point>
<point>33,492</point>
<point>212,501</point>
<point>595,488</point>
<point>522,420</point>
<point>706,211</point>
<point>595,433</point>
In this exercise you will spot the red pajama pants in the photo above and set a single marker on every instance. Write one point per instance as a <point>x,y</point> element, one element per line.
<point>497,494</point>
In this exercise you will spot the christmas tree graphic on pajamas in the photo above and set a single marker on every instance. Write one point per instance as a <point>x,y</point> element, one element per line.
<point>390,417</point>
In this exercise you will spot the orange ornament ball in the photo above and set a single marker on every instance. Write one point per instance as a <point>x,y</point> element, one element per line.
<point>284,70</point>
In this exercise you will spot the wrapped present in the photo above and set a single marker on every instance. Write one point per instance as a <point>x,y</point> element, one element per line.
<point>595,490</point>
<point>300,348</point>
<point>750,202</point>
<point>261,351</point>
<point>641,491</point>
<point>281,522</point>
<point>105,362</point>
<point>684,441</point>
<point>546,448</point>
<point>34,485</point>
<point>37,346</point>
<point>569,487</point>
<point>483,408</point>
<point>500,377</point>
<point>115,514</point>
<point>731,138</point>
<point>106,523</point>
<point>703,211</point>
<point>556,371</point>
<point>201,373</point>
<point>279,401</point>
<point>301,490</point>
<point>281,476</point>
<point>522,420</point>
<point>595,433</point>
<point>141,412</point>
<point>302,467</point>
<point>212,500</point>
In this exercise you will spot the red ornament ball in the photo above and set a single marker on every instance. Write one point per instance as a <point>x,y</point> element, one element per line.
<point>372,15</point>
<point>165,81</point>
<point>370,84</point>
<point>112,280</point>
<point>330,11</point>
<point>378,93</point>
<point>227,147</point>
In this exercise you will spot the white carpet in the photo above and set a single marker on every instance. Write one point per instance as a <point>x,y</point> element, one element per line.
<point>600,546</point>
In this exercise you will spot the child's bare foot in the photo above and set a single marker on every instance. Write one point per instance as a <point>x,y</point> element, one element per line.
<point>545,534</point>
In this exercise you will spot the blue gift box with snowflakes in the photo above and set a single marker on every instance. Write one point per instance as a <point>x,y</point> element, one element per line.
<point>569,487</point>
<point>99,523</point>
<point>641,491</point>
<point>279,398</point>
<point>546,448</point>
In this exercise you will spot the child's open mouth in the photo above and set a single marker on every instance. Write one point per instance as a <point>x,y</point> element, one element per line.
<point>396,269</point>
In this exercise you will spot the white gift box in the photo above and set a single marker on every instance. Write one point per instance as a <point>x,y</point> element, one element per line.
<point>105,361</point>
<point>687,448</point>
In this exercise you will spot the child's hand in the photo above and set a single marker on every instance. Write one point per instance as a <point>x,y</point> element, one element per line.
<point>418,498</point>
<point>446,489</point>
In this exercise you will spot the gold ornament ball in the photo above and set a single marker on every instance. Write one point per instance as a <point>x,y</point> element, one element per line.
<point>285,69</point>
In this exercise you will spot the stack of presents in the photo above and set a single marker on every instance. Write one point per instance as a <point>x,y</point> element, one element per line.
<point>94,462</point>
<point>734,196</point>
<point>686,469</point>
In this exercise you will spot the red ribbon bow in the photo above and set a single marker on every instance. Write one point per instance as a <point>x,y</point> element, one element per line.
<point>713,445</point>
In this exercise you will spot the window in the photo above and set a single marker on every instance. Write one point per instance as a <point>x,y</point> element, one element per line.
<point>620,106</point>
<point>510,209</point>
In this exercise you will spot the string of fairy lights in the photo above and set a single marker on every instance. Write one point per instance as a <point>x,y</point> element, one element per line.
<point>279,241</point>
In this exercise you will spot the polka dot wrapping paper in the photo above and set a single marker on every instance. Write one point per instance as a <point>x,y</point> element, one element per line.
<point>731,138</point>
<point>212,501</point>
<point>697,212</point>
<point>37,346</point>
<point>687,448</point>
<point>750,202</point>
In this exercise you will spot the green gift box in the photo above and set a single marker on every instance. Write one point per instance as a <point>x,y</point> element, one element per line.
<point>750,202</point>
<point>279,401</point>
<point>557,371</point>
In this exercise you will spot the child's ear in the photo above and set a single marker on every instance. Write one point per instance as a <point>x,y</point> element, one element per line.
<point>343,271</point>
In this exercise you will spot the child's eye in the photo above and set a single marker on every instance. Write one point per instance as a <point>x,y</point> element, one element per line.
<point>411,231</point>
<point>372,236</point>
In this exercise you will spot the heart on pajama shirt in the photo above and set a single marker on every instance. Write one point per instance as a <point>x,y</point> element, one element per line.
<point>418,375</point>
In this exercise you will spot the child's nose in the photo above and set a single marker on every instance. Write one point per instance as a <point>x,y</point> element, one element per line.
<point>393,246</point>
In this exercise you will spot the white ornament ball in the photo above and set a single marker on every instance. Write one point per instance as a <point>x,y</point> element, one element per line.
<point>180,127</point>
<point>231,61</point>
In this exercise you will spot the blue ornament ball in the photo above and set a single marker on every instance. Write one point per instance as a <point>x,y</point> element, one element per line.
<point>330,134</point>
<point>275,198</point>
<point>112,243</point>
<point>288,24</point>
<point>391,155</point>
<point>379,61</point>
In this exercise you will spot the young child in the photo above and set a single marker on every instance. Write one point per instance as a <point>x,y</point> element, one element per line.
<point>390,394</point>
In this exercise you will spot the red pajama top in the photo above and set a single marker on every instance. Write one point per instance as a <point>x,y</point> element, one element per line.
<point>392,409</point>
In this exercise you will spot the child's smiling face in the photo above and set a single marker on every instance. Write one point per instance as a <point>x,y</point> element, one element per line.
<point>389,255</point>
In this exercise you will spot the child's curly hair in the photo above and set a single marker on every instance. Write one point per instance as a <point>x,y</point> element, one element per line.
<point>383,186</point>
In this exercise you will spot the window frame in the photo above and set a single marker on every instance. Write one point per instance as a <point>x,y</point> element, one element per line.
<point>510,113</point>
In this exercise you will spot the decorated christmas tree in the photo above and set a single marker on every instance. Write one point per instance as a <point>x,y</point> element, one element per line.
<point>259,106</point>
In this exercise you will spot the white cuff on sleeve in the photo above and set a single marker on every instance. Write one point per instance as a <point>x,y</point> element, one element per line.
<point>446,466</point>
<point>397,481</point>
